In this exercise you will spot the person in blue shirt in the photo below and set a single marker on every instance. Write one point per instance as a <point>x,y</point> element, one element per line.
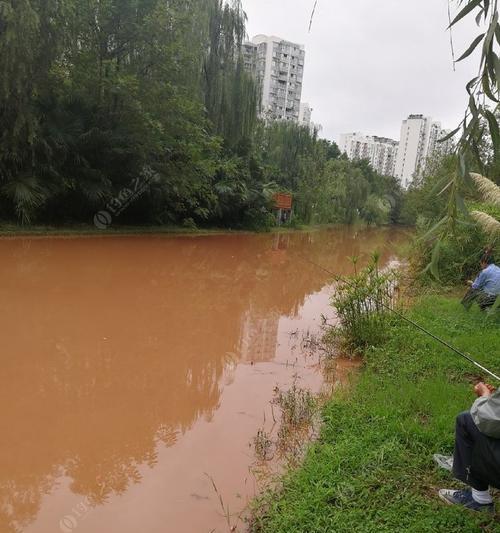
<point>486,288</point>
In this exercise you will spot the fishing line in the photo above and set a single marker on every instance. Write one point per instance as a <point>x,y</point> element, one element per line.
<point>413,323</point>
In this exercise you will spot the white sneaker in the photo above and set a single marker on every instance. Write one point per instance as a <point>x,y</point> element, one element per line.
<point>465,499</point>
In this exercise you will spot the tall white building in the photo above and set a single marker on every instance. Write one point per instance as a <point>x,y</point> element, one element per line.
<point>305,118</point>
<point>305,114</point>
<point>279,67</point>
<point>379,151</point>
<point>413,148</point>
<point>419,140</point>
<point>435,146</point>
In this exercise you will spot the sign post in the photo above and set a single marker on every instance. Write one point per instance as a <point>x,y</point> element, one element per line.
<point>283,204</point>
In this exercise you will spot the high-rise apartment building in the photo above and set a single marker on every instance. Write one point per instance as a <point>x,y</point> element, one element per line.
<point>305,114</point>
<point>278,66</point>
<point>413,148</point>
<point>379,151</point>
<point>435,134</point>
<point>436,147</point>
<point>250,52</point>
<point>419,140</point>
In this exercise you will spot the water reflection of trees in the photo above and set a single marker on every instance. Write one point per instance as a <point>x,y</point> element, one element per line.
<point>112,346</point>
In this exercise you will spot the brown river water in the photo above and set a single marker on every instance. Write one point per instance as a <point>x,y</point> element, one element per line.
<point>136,370</point>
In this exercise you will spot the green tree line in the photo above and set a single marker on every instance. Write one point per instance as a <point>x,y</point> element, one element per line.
<point>93,92</point>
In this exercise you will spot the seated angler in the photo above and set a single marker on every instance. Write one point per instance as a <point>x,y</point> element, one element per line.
<point>486,288</point>
<point>476,460</point>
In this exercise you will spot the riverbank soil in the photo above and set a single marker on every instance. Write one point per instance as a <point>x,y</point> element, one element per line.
<point>372,469</point>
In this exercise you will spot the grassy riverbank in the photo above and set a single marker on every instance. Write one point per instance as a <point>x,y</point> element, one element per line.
<point>372,468</point>
<point>14,230</point>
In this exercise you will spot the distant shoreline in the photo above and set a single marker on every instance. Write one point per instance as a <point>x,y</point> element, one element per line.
<point>13,231</point>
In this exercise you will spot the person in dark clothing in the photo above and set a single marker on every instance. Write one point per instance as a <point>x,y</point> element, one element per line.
<point>476,459</point>
<point>486,288</point>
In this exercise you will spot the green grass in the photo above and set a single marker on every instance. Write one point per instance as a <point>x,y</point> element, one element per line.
<point>372,468</point>
<point>14,230</point>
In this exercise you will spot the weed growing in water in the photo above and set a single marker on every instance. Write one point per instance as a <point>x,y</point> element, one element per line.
<point>298,406</point>
<point>298,409</point>
<point>263,445</point>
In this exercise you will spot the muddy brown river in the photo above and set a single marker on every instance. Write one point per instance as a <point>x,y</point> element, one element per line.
<point>137,370</point>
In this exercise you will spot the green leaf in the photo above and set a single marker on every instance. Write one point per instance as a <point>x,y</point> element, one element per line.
<point>471,83</point>
<point>488,41</point>
<point>497,71</point>
<point>463,164</point>
<point>434,229</point>
<point>486,8</point>
<point>465,11</point>
<point>475,150</point>
<point>490,63</point>
<point>450,135</point>
<point>461,205</point>
<point>487,89</point>
<point>467,179</point>
<point>473,107</point>
<point>469,128</point>
<point>445,188</point>
<point>443,183</point>
<point>494,129</point>
<point>434,264</point>
<point>472,47</point>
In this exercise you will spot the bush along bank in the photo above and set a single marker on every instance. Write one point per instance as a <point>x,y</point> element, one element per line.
<point>372,468</point>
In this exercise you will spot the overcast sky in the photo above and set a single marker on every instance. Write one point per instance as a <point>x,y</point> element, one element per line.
<point>370,63</point>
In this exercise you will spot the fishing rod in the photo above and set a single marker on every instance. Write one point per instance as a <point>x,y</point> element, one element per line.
<point>415,324</point>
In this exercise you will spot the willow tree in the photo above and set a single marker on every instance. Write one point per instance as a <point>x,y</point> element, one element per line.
<point>284,147</point>
<point>480,122</point>
<point>91,92</point>
<point>230,93</point>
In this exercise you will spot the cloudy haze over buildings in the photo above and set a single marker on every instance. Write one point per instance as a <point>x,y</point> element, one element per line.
<point>369,64</point>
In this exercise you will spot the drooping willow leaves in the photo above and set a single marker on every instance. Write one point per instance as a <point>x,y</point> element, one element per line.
<point>480,118</point>
<point>91,91</point>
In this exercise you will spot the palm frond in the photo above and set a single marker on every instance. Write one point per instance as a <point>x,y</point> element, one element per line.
<point>489,224</point>
<point>27,194</point>
<point>489,191</point>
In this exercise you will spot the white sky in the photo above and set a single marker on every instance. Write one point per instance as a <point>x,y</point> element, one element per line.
<point>371,63</point>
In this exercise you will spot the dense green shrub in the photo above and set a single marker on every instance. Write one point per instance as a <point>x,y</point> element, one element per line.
<point>422,199</point>
<point>362,303</point>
